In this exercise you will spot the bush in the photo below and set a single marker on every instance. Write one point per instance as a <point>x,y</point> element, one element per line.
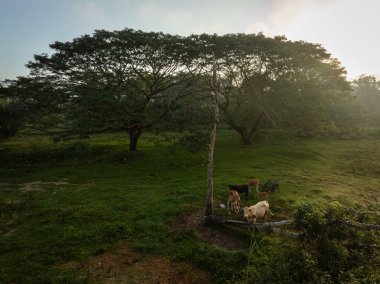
<point>328,253</point>
<point>338,251</point>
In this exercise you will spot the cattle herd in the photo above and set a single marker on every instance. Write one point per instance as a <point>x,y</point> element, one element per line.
<point>259,210</point>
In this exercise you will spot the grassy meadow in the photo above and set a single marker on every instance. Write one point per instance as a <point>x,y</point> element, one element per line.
<point>90,211</point>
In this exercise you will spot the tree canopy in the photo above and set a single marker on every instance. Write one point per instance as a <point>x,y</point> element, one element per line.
<point>123,80</point>
<point>276,81</point>
<point>132,80</point>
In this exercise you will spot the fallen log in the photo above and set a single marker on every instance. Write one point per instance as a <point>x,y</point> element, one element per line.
<point>248,224</point>
<point>268,226</point>
<point>366,246</point>
<point>272,226</point>
<point>361,225</point>
<point>287,233</point>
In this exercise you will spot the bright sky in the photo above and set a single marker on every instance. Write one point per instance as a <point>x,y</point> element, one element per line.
<point>348,29</point>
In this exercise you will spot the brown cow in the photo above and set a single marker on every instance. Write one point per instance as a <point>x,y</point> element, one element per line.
<point>233,202</point>
<point>255,182</point>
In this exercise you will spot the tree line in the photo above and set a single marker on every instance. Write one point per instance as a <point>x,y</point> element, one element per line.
<point>135,81</point>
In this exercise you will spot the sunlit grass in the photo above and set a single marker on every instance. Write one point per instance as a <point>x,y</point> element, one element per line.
<point>72,200</point>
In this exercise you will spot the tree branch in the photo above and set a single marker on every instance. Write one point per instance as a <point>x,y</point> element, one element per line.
<point>362,226</point>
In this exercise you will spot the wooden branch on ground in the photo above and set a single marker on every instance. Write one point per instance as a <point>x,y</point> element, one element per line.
<point>287,233</point>
<point>248,224</point>
<point>269,226</point>
<point>357,225</point>
<point>273,227</point>
<point>366,246</point>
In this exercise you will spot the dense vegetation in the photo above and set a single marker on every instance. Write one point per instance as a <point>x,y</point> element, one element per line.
<point>67,206</point>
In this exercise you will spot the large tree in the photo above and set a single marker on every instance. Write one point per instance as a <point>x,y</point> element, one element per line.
<point>274,81</point>
<point>122,80</point>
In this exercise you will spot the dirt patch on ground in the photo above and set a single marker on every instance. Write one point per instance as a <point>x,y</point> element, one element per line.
<point>9,226</point>
<point>209,234</point>
<point>38,185</point>
<point>125,266</point>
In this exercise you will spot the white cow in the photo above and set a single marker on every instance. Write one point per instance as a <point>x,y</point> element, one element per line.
<point>258,211</point>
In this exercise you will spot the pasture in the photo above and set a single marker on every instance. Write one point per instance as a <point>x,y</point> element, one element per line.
<point>90,211</point>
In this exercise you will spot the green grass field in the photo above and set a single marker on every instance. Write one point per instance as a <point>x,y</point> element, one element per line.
<point>69,206</point>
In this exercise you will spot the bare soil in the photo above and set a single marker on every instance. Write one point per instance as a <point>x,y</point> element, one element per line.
<point>38,185</point>
<point>210,235</point>
<point>126,266</point>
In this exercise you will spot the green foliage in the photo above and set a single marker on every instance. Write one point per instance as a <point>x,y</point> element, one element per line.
<point>337,250</point>
<point>310,220</point>
<point>9,122</point>
<point>123,80</point>
<point>274,82</point>
<point>194,141</point>
<point>328,252</point>
<point>288,263</point>
<point>12,114</point>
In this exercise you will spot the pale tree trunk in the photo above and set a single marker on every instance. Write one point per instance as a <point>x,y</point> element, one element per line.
<point>210,161</point>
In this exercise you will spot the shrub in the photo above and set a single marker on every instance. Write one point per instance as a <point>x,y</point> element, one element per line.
<point>329,252</point>
<point>338,251</point>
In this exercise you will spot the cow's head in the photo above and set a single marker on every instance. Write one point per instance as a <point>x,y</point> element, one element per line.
<point>246,212</point>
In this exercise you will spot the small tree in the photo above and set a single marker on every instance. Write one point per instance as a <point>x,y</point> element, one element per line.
<point>210,161</point>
